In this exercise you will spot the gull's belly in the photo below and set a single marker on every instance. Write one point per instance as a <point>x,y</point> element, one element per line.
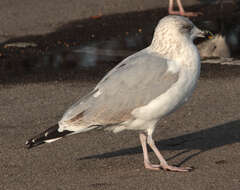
<point>170,100</point>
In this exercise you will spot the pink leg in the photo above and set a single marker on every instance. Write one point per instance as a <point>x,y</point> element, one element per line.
<point>147,163</point>
<point>164,165</point>
<point>181,10</point>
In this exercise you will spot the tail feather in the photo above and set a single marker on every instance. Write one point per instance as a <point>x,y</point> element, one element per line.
<point>47,136</point>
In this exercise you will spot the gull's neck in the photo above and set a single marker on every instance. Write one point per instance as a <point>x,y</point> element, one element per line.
<point>175,47</point>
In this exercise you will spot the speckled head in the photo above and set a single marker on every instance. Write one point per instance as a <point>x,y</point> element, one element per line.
<point>173,33</point>
<point>177,25</point>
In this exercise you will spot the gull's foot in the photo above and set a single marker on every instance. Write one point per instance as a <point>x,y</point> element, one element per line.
<point>176,169</point>
<point>191,14</point>
<point>150,166</point>
<point>187,14</point>
<point>155,167</point>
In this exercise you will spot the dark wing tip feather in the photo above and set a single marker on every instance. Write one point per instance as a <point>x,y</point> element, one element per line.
<point>50,133</point>
<point>31,143</point>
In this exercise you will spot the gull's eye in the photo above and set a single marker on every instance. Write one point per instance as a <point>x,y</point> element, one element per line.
<point>188,27</point>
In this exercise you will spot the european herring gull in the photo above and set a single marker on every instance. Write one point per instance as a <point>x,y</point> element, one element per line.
<point>139,91</point>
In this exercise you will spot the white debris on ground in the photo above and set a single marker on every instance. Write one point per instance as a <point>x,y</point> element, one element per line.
<point>20,45</point>
<point>222,61</point>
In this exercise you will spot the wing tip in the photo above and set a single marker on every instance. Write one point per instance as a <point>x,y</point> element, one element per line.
<point>50,135</point>
<point>32,143</point>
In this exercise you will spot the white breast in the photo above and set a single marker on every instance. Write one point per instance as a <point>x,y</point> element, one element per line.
<point>178,93</point>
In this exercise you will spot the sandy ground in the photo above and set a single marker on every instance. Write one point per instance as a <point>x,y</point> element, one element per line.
<point>204,133</point>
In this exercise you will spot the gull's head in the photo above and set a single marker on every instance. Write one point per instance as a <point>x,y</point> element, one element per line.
<point>178,26</point>
<point>173,32</point>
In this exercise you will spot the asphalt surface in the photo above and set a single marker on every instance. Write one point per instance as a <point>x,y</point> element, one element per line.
<point>21,18</point>
<point>204,133</point>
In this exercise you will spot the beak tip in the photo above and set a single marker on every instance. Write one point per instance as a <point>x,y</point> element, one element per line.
<point>208,34</point>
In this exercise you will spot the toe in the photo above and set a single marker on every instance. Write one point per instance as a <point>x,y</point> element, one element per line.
<point>177,169</point>
<point>150,166</point>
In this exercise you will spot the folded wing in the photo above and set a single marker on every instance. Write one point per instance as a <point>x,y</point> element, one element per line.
<point>131,84</point>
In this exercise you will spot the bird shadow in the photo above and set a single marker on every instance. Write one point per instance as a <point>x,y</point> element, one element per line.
<point>203,140</point>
